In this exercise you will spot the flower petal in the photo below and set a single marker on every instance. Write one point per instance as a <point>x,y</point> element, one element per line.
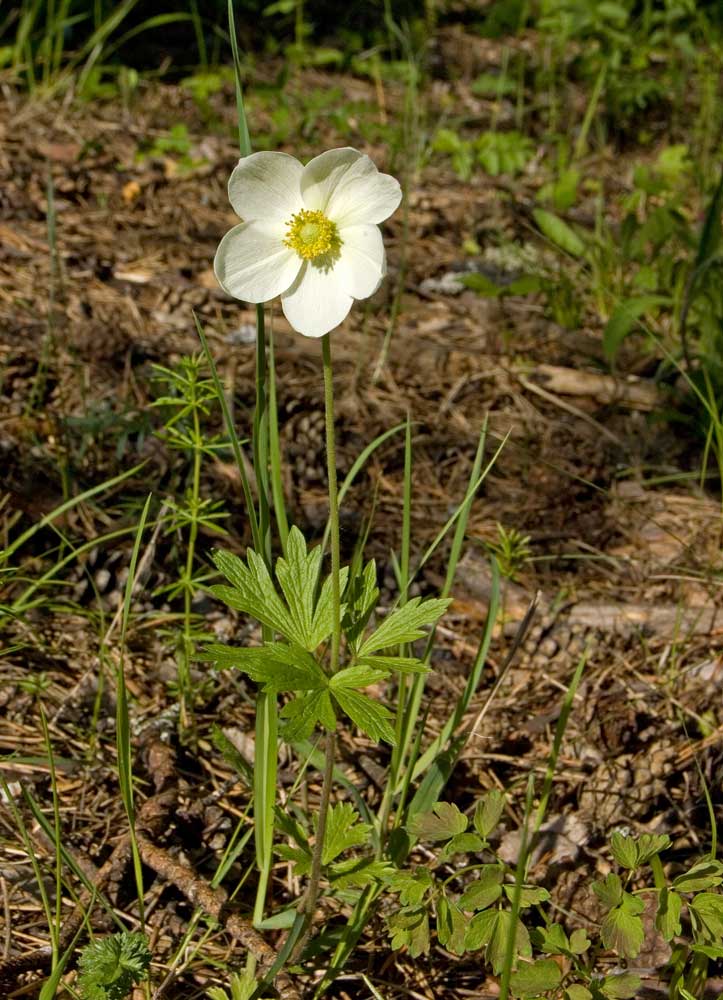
<point>348,188</point>
<point>362,263</point>
<point>266,186</point>
<point>253,264</point>
<point>316,302</point>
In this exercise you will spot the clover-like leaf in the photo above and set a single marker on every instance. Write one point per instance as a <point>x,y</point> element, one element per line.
<point>532,978</point>
<point>706,913</point>
<point>484,890</point>
<point>462,843</point>
<point>622,929</point>
<point>412,886</point>
<point>552,939</point>
<point>488,812</point>
<point>405,624</point>
<point>620,986</point>
<point>410,927</point>
<point>624,849</point>
<point>704,874</point>
<point>650,844</point>
<point>609,891</point>
<point>440,823</point>
<point>667,918</point>
<point>579,941</point>
<point>451,925</point>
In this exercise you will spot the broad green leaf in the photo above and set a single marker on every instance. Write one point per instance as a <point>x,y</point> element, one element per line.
<point>400,664</point>
<point>625,850</point>
<point>530,895</point>
<point>303,713</point>
<point>533,978</point>
<point>579,941</point>
<point>620,986</point>
<point>343,830</point>
<point>412,886</point>
<point>709,950</point>
<point>577,992</point>
<point>624,319</point>
<point>323,623</point>
<point>667,919</point>
<point>253,591</point>
<point>706,911</point>
<point>488,811</point>
<point>622,930</point>
<point>357,872</point>
<point>483,891</point>
<point>441,823</point>
<point>451,926</point>
<point>610,891</point>
<point>409,927</point>
<point>462,843</point>
<point>705,874</point>
<point>405,624</point>
<point>359,676</point>
<point>480,930</point>
<point>497,945</point>
<point>553,940</point>
<point>650,844</point>
<point>558,232</point>
<point>362,598</point>
<point>298,576</point>
<point>371,717</point>
<point>285,668</point>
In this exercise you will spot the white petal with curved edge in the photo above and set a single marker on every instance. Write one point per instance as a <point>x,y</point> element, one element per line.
<point>352,189</point>
<point>324,173</point>
<point>266,186</point>
<point>316,302</point>
<point>362,263</point>
<point>253,264</point>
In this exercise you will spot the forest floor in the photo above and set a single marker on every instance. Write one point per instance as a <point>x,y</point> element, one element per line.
<point>624,544</point>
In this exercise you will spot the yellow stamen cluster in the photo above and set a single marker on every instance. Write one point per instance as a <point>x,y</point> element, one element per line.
<point>312,235</point>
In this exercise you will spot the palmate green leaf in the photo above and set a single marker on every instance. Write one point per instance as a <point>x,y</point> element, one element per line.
<point>409,927</point>
<point>253,591</point>
<point>441,823</point>
<point>620,986</point>
<point>483,891</point>
<point>303,713</point>
<point>609,891</point>
<point>298,576</point>
<point>361,601</point>
<point>533,978</point>
<point>412,886</point>
<point>530,895</point>
<point>451,926</point>
<point>276,664</point>
<point>491,929</point>
<point>323,622</point>
<point>400,664</point>
<point>358,676</point>
<point>371,717</point>
<point>357,872</point>
<point>343,830</point>
<point>579,941</point>
<point>463,843</point>
<point>405,624</point>
<point>577,992</point>
<point>706,912</point>
<point>667,919</point>
<point>650,844</point>
<point>622,929</point>
<point>705,874</point>
<point>488,812</point>
<point>625,850</point>
<point>552,939</point>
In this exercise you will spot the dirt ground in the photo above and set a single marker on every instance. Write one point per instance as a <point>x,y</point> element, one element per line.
<point>625,567</point>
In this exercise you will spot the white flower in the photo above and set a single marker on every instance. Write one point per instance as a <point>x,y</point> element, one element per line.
<point>309,234</point>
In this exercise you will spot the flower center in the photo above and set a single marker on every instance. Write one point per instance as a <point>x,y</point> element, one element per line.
<point>312,235</point>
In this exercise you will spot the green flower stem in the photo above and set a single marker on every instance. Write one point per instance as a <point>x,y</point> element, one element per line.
<point>312,892</point>
<point>333,502</point>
